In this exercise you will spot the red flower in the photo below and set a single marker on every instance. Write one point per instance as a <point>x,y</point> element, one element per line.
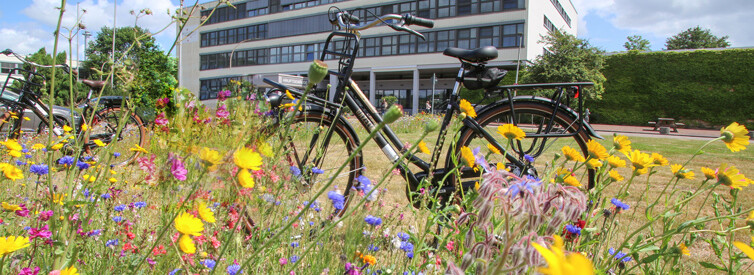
<point>159,250</point>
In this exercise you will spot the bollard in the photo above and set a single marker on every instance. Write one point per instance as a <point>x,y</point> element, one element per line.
<point>664,130</point>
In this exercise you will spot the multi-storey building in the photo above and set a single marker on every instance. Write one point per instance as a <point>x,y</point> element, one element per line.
<point>283,36</point>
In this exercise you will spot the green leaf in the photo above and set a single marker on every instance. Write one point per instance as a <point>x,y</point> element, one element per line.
<point>712,266</point>
<point>651,258</point>
<point>649,248</point>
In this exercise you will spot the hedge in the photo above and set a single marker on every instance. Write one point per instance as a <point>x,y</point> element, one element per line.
<point>702,88</point>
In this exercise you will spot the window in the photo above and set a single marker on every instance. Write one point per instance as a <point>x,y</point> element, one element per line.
<point>489,36</point>
<point>464,7</point>
<point>407,44</point>
<point>467,38</point>
<point>510,4</point>
<point>562,11</point>
<point>428,45</point>
<point>210,87</point>
<point>256,12</point>
<point>404,97</point>
<point>445,8</point>
<point>548,25</point>
<point>370,46</point>
<point>389,45</point>
<point>445,39</point>
<point>512,35</point>
<point>235,35</point>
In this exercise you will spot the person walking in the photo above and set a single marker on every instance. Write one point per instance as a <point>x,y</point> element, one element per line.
<point>429,107</point>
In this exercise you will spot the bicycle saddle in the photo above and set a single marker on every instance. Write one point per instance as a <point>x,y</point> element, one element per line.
<point>96,85</point>
<point>477,55</point>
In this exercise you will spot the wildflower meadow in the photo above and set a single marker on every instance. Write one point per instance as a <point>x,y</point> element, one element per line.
<point>214,191</point>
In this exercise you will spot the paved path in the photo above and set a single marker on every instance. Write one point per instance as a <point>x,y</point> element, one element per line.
<point>606,130</point>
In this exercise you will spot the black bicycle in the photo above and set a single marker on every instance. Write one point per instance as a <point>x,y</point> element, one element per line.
<point>104,120</point>
<point>321,137</point>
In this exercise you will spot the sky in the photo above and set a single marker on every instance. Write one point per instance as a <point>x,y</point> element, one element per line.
<point>28,25</point>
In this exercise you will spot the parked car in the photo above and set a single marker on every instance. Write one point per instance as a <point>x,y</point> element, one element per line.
<point>34,123</point>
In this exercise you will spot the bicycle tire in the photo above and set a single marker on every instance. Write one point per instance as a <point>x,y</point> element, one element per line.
<point>307,132</point>
<point>104,127</point>
<point>528,115</point>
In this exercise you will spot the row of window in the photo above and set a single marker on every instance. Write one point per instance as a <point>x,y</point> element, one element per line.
<point>230,36</point>
<point>562,11</point>
<point>306,4</point>
<point>548,25</point>
<point>210,87</point>
<point>257,8</point>
<point>317,23</point>
<point>6,67</point>
<point>505,36</point>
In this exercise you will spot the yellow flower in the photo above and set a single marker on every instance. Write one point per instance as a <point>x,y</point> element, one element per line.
<point>616,162</point>
<point>708,173</point>
<point>59,198</point>
<point>735,136</point>
<point>37,146</point>
<point>467,109</point>
<point>13,173</point>
<point>10,244</point>
<point>423,147</point>
<point>572,181</point>
<point>640,161</point>
<point>614,176</point>
<point>467,156</point>
<point>289,95</point>
<point>565,176</point>
<point>572,154</point>
<point>187,244</point>
<point>621,143</point>
<point>84,127</point>
<point>11,207</point>
<point>138,148</point>
<point>369,259</point>
<point>593,164</point>
<point>745,248</point>
<point>245,179</point>
<point>729,176</point>
<point>69,271</point>
<point>559,263</point>
<point>57,146</point>
<point>684,250</point>
<point>205,213</point>
<point>659,159</point>
<point>511,132</point>
<point>265,149</point>
<point>99,143</point>
<point>67,128</point>
<point>112,180</point>
<point>12,145</point>
<point>27,118</point>
<point>681,173</point>
<point>246,158</point>
<point>212,157</point>
<point>493,149</point>
<point>188,224</point>
<point>596,150</point>
<point>14,153</point>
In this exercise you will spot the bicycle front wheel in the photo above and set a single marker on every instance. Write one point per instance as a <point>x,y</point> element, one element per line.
<point>315,158</point>
<point>532,118</point>
<point>104,130</point>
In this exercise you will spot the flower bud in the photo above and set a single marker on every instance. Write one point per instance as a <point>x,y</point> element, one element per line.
<point>392,114</point>
<point>317,72</point>
<point>431,126</point>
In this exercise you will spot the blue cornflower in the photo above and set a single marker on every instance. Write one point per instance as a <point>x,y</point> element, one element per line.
<point>85,192</point>
<point>234,269</point>
<point>365,184</point>
<point>316,170</point>
<point>116,154</point>
<point>403,236</point>
<point>39,169</point>
<point>410,255</point>
<point>338,200</point>
<point>372,220</point>
<point>24,150</point>
<point>66,161</point>
<point>140,204</point>
<point>528,158</point>
<point>294,259</point>
<point>573,229</point>
<point>119,208</point>
<point>112,242</point>
<point>619,256</point>
<point>294,244</point>
<point>82,165</point>
<point>95,232</point>
<point>295,171</point>
<point>407,246</point>
<point>209,263</point>
<point>28,156</point>
<point>311,223</point>
<point>20,163</point>
<point>117,219</point>
<point>527,183</point>
<point>175,271</point>
<point>619,205</point>
<point>373,248</point>
<point>479,158</point>
<point>106,196</point>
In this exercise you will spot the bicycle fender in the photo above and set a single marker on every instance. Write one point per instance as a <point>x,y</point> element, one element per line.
<point>544,101</point>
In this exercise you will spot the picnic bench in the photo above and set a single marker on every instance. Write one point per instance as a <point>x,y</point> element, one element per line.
<point>666,122</point>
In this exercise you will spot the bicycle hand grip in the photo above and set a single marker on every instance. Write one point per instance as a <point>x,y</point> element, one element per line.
<point>354,19</point>
<point>414,20</point>
<point>7,52</point>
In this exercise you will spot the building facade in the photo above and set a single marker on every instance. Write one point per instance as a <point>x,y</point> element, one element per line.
<point>283,36</point>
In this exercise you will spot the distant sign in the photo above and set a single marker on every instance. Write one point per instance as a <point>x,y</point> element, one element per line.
<point>292,81</point>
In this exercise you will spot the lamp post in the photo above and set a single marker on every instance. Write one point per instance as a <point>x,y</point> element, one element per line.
<point>434,81</point>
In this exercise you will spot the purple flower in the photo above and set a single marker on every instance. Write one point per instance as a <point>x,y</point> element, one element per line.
<point>528,158</point>
<point>178,170</point>
<point>619,205</point>
<point>294,259</point>
<point>222,111</point>
<point>119,208</point>
<point>573,229</point>
<point>234,269</point>
<point>294,244</point>
<point>373,248</point>
<point>112,242</point>
<point>338,200</point>
<point>403,236</point>
<point>295,171</point>
<point>407,246</point>
<point>619,256</point>
<point>372,220</point>
<point>29,271</point>
<point>527,183</point>
<point>39,169</point>
<point>222,95</point>
<point>42,232</point>
<point>209,263</point>
<point>140,204</point>
<point>117,219</point>
<point>45,215</point>
<point>66,161</point>
<point>106,196</point>
<point>23,212</point>
<point>82,165</point>
<point>95,232</point>
<point>175,271</point>
<point>116,154</point>
<point>316,170</point>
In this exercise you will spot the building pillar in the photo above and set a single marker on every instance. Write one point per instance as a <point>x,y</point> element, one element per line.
<point>415,93</point>
<point>333,87</point>
<point>373,88</point>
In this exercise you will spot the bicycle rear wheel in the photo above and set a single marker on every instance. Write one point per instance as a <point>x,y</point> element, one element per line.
<point>532,118</point>
<point>104,128</point>
<point>308,147</point>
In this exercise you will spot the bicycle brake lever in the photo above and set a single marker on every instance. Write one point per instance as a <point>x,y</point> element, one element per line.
<point>408,30</point>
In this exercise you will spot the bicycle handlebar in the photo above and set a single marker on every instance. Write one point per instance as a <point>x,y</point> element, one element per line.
<point>415,20</point>
<point>65,67</point>
<point>349,22</point>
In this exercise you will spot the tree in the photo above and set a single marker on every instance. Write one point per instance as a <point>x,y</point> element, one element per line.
<point>568,59</point>
<point>142,70</point>
<point>62,84</point>
<point>696,38</point>
<point>636,42</point>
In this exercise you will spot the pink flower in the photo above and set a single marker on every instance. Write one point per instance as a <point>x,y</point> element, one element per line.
<point>449,246</point>
<point>29,271</point>
<point>283,261</point>
<point>177,169</point>
<point>222,95</point>
<point>42,232</point>
<point>161,120</point>
<point>45,215</point>
<point>23,212</point>
<point>147,165</point>
<point>191,104</point>
<point>222,111</point>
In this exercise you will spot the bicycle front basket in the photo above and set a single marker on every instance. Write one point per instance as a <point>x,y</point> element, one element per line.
<point>21,81</point>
